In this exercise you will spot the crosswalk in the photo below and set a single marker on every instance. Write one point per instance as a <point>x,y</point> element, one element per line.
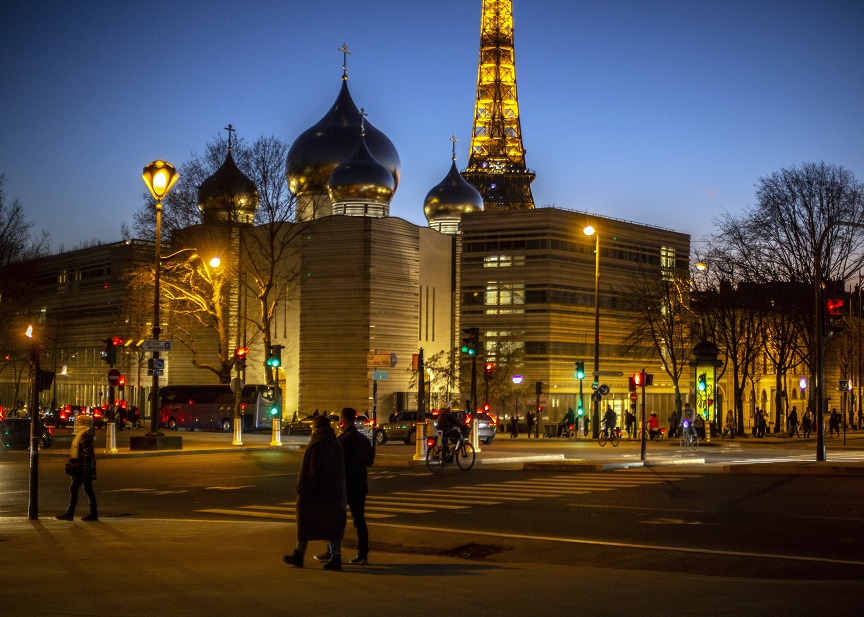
<point>425,501</point>
<point>834,456</point>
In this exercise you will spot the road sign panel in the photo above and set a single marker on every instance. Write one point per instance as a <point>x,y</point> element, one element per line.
<point>155,345</point>
<point>380,360</point>
<point>603,390</point>
<point>633,397</point>
<point>380,375</point>
<point>113,377</point>
<point>607,373</point>
<point>596,397</point>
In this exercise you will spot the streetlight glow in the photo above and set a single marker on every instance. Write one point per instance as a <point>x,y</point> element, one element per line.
<point>159,176</point>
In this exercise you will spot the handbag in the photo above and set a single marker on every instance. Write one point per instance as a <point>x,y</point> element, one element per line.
<point>73,467</point>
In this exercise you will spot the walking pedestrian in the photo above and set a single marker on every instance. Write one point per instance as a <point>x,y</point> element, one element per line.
<point>807,423</point>
<point>359,455</point>
<point>792,422</point>
<point>834,423</point>
<point>529,422</point>
<point>321,498</point>
<point>82,469</point>
<point>629,421</point>
<point>514,426</point>
<point>673,423</point>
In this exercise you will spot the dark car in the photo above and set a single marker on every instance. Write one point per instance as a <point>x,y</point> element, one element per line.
<point>401,426</point>
<point>303,426</point>
<point>15,434</point>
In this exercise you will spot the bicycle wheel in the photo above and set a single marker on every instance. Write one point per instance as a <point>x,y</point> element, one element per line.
<point>434,459</point>
<point>614,439</point>
<point>465,456</point>
<point>602,439</point>
<point>694,441</point>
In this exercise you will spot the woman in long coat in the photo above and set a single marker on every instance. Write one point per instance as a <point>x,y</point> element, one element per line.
<point>82,450</point>
<point>321,500</point>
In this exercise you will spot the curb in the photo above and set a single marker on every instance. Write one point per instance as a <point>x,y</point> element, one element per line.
<point>582,466</point>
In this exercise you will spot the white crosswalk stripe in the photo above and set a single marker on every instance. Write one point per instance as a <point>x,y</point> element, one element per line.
<point>836,456</point>
<point>431,500</point>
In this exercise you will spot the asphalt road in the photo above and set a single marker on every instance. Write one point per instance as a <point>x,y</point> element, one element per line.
<point>666,540</point>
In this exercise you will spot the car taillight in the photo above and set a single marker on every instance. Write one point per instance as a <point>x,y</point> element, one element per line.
<point>493,421</point>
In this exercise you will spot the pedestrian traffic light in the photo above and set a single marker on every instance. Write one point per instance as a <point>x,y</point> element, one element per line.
<point>580,370</point>
<point>834,316</point>
<point>579,411</point>
<point>274,356</point>
<point>488,370</point>
<point>631,384</point>
<point>471,341</point>
<point>702,383</point>
<point>274,410</point>
<point>240,357</point>
<point>121,382</point>
<point>637,380</point>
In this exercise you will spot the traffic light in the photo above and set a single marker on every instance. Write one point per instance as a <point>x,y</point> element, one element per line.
<point>274,356</point>
<point>488,370</point>
<point>240,356</point>
<point>471,341</point>
<point>637,380</point>
<point>121,382</point>
<point>579,411</point>
<point>274,410</point>
<point>109,354</point>
<point>631,384</point>
<point>580,370</point>
<point>834,316</point>
<point>702,383</point>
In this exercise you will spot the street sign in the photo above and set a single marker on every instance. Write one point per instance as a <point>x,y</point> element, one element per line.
<point>113,377</point>
<point>633,396</point>
<point>844,385</point>
<point>380,375</point>
<point>603,390</point>
<point>154,345</point>
<point>380,360</point>
<point>236,384</point>
<point>596,397</point>
<point>607,373</point>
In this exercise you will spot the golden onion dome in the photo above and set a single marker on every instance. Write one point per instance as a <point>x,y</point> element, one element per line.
<point>320,149</point>
<point>451,198</point>
<point>228,193</point>
<point>361,178</point>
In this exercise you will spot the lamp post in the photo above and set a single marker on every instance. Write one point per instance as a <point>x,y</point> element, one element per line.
<point>33,402</point>
<point>159,177</point>
<point>517,381</point>
<point>595,416</point>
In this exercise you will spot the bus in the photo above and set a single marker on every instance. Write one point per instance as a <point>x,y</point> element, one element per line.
<point>212,407</point>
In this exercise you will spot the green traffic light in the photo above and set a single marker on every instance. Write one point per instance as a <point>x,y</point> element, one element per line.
<point>580,411</point>
<point>274,411</point>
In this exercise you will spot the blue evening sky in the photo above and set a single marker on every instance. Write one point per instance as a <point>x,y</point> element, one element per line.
<point>664,112</point>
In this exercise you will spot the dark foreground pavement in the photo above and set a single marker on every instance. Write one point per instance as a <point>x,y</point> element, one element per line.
<point>136,567</point>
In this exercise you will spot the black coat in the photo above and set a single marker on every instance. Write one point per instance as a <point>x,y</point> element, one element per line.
<point>358,456</point>
<point>321,489</point>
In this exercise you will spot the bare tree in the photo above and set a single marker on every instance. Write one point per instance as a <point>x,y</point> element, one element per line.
<point>661,323</point>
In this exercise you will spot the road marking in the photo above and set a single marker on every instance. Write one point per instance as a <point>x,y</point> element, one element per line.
<point>649,547</point>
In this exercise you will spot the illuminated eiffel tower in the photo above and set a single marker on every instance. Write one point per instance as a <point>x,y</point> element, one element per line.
<point>496,164</point>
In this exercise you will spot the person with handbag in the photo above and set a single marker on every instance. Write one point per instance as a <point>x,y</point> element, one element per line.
<point>82,468</point>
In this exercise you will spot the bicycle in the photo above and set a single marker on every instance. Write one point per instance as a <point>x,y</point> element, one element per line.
<point>658,436</point>
<point>689,438</point>
<point>612,436</point>
<point>440,453</point>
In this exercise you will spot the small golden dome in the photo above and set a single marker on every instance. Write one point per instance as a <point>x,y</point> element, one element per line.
<point>451,198</point>
<point>361,178</point>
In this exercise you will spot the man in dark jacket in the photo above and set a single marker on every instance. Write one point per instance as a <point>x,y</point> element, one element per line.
<point>321,496</point>
<point>358,456</point>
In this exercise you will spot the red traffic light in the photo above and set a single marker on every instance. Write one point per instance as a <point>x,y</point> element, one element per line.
<point>116,341</point>
<point>240,353</point>
<point>121,381</point>
<point>490,367</point>
<point>637,379</point>
<point>834,307</point>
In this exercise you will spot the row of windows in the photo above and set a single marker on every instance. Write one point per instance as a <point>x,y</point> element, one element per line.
<point>505,294</point>
<point>666,256</point>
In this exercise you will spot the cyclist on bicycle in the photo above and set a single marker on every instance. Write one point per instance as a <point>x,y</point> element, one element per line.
<point>610,419</point>
<point>452,428</point>
<point>688,420</point>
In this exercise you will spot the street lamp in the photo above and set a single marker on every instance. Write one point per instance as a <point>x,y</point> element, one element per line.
<point>159,177</point>
<point>595,419</point>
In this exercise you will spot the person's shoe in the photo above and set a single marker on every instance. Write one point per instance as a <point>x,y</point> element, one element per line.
<point>335,562</point>
<point>90,517</point>
<point>359,560</point>
<point>66,516</point>
<point>322,557</point>
<point>294,559</point>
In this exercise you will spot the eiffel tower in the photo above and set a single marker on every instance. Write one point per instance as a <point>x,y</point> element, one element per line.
<point>496,164</point>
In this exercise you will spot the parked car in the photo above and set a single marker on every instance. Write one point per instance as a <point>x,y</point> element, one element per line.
<point>401,426</point>
<point>15,434</point>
